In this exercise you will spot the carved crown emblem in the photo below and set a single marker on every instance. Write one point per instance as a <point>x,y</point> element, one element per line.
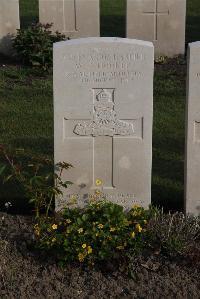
<point>105,121</point>
<point>104,96</point>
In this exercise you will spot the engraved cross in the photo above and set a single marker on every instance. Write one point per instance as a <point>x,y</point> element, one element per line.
<point>156,13</point>
<point>104,129</point>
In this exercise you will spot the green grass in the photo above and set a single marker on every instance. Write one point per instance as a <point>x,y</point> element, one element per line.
<point>168,136</point>
<point>26,106</point>
<point>29,12</point>
<point>113,19</point>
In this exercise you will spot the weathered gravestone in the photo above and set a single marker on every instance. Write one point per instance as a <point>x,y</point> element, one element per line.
<point>159,21</point>
<point>192,160</point>
<point>9,22</point>
<point>74,18</point>
<point>103,107</point>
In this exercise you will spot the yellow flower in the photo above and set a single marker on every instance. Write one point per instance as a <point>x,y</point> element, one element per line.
<point>53,240</point>
<point>138,228</point>
<point>89,249</point>
<point>112,229</point>
<point>92,198</point>
<point>135,206</point>
<point>54,226</point>
<point>68,221</point>
<point>81,257</point>
<point>145,221</point>
<point>136,213</point>
<point>133,235</point>
<point>100,225</point>
<point>80,230</point>
<point>37,229</point>
<point>84,246</point>
<point>37,232</point>
<point>120,247</point>
<point>97,192</point>
<point>73,197</point>
<point>98,182</point>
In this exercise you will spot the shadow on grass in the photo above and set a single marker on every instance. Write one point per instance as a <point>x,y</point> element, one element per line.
<point>13,191</point>
<point>113,26</point>
<point>168,173</point>
<point>193,29</point>
<point>40,145</point>
<point>26,21</point>
<point>168,198</point>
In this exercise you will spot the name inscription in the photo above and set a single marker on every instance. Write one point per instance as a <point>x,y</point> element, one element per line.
<point>125,199</point>
<point>104,67</point>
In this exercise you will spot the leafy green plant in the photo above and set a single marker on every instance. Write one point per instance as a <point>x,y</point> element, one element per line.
<point>100,231</point>
<point>36,176</point>
<point>34,45</point>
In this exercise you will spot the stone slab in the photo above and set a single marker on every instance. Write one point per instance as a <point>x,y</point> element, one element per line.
<point>192,153</point>
<point>159,21</point>
<point>103,110</point>
<point>74,18</point>
<point>9,22</point>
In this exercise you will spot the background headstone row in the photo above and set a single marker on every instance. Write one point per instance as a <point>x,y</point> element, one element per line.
<point>159,21</point>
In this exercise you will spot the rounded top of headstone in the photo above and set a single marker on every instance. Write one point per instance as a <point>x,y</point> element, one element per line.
<point>194,44</point>
<point>89,40</point>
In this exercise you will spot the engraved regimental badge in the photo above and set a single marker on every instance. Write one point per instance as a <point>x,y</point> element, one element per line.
<point>105,121</point>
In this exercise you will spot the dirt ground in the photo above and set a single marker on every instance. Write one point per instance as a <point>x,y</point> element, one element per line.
<point>26,274</point>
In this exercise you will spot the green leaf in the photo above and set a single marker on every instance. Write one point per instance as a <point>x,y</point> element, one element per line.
<point>32,200</point>
<point>84,217</point>
<point>79,221</point>
<point>2,169</point>
<point>7,178</point>
<point>37,180</point>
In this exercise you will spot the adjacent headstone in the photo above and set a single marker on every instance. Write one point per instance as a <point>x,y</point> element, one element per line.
<point>74,18</point>
<point>9,23</point>
<point>192,160</point>
<point>103,108</point>
<point>159,21</point>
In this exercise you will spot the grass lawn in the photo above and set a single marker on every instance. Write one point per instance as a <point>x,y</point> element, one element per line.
<point>26,106</point>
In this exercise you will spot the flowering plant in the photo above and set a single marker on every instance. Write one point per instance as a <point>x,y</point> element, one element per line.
<point>100,231</point>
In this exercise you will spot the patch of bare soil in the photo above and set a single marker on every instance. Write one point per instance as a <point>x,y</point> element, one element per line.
<point>24,273</point>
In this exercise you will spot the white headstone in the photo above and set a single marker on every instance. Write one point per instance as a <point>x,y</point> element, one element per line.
<point>74,18</point>
<point>103,109</point>
<point>9,22</point>
<point>192,160</point>
<point>159,21</point>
